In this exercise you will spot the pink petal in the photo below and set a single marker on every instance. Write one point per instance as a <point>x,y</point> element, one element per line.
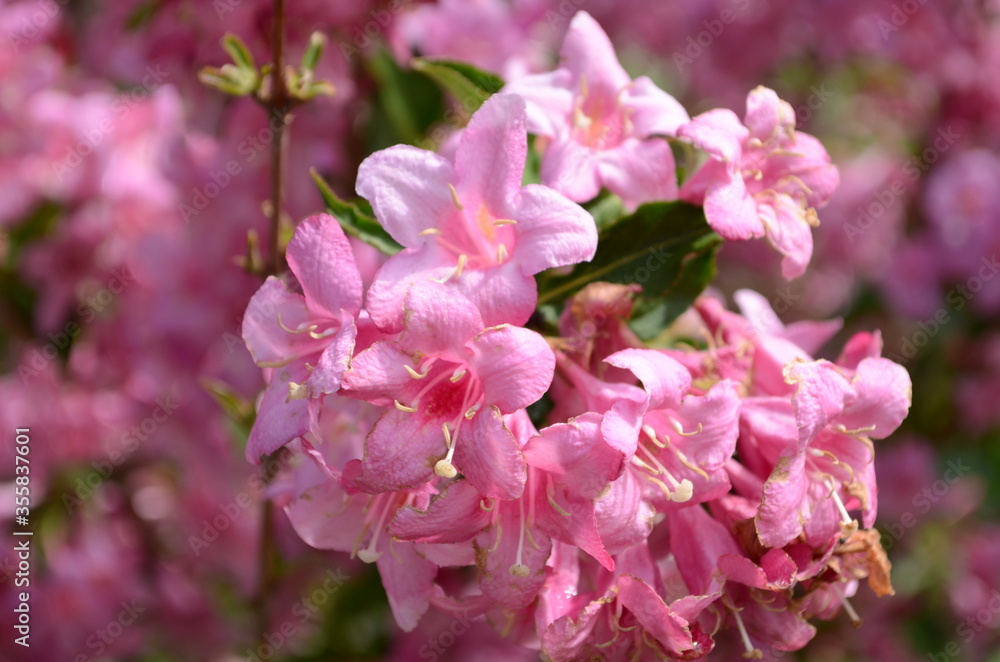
<point>411,265</point>
<point>322,260</point>
<point>325,517</point>
<point>718,132</point>
<point>401,451</point>
<point>655,616</point>
<point>576,455</point>
<point>489,457</point>
<point>514,366</point>
<point>279,420</point>
<point>730,209</point>
<point>548,99</point>
<point>504,294</point>
<point>378,374</point>
<point>495,559</point>
<point>455,515</point>
<point>491,153</point>
<point>884,396</point>
<point>639,171</point>
<point>821,394</point>
<point>438,320</point>
<point>664,378</point>
<point>329,370</point>
<point>778,519</point>
<point>575,524</point>
<point>408,190</point>
<point>787,230</point>
<point>652,111</point>
<point>571,169</point>
<point>272,306</point>
<point>767,114</point>
<point>587,52</point>
<point>408,579</point>
<point>624,518</point>
<point>551,230</point>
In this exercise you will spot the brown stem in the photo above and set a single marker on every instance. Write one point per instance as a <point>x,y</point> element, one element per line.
<point>278,107</point>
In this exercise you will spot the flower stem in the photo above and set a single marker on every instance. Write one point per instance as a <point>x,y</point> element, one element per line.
<point>278,107</point>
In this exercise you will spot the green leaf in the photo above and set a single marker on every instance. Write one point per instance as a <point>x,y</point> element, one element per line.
<point>697,271</point>
<point>407,105</point>
<point>356,218</point>
<point>238,51</point>
<point>666,247</point>
<point>313,51</point>
<point>467,84</point>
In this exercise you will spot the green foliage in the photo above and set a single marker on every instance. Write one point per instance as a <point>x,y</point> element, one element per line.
<point>666,247</point>
<point>468,85</point>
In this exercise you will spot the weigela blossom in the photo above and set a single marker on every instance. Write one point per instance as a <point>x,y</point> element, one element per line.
<point>601,128</point>
<point>306,339</point>
<point>615,499</point>
<point>449,381</point>
<point>470,224</point>
<point>762,176</point>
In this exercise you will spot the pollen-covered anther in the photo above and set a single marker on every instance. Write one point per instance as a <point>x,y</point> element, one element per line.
<point>445,469</point>
<point>462,259</point>
<point>401,407</point>
<point>458,374</point>
<point>499,222</point>
<point>680,429</point>
<point>501,253</point>
<point>472,411</point>
<point>368,556</point>
<point>520,570</point>
<point>297,391</point>
<point>429,231</point>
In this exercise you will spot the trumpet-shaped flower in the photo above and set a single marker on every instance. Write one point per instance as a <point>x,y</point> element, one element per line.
<point>470,224</point>
<point>601,127</point>
<point>309,337</point>
<point>448,380</point>
<point>762,177</point>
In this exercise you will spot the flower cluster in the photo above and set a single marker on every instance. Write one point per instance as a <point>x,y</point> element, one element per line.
<point>615,499</point>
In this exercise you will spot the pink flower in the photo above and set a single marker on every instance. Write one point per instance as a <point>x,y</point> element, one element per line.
<point>601,125</point>
<point>309,337</point>
<point>826,467</point>
<point>569,466</point>
<point>470,223</point>
<point>762,177</point>
<point>448,380</point>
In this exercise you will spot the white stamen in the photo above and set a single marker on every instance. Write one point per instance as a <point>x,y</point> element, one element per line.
<point>454,198</point>
<point>401,407</point>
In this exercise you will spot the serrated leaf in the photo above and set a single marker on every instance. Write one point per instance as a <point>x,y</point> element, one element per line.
<point>666,247</point>
<point>467,84</point>
<point>356,218</point>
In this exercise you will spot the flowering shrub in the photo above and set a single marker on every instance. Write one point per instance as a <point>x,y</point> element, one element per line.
<point>616,498</point>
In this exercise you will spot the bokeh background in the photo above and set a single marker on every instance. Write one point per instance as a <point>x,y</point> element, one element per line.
<point>123,220</point>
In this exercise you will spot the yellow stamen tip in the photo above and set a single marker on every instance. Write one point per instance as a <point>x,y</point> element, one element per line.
<point>445,469</point>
